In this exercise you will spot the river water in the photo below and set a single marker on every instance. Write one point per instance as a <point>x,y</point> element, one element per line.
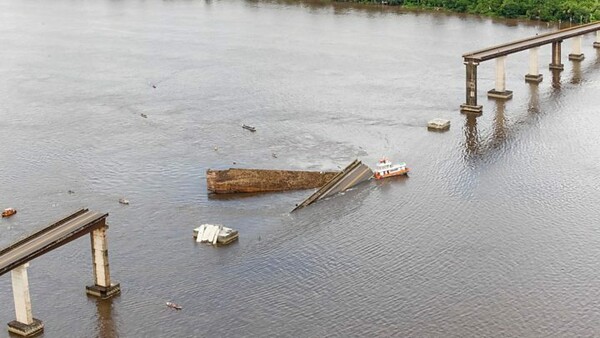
<point>495,232</point>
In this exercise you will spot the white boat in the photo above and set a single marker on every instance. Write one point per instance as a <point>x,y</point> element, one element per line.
<point>385,168</point>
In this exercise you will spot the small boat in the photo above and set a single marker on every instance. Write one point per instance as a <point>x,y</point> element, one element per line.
<point>123,201</point>
<point>9,212</point>
<point>385,169</point>
<point>247,127</point>
<point>174,306</point>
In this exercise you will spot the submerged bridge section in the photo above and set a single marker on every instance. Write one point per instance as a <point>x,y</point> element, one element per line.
<point>355,173</point>
<point>15,258</point>
<point>500,52</point>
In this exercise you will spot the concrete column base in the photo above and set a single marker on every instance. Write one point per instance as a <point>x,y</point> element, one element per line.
<point>103,292</point>
<point>505,95</point>
<point>534,78</point>
<point>576,57</point>
<point>596,44</point>
<point>559,66</point>
<point>469,109</point>
<point>26,330</point>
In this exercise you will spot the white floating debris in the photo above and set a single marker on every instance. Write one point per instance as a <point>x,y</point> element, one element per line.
<point>123,201</point>
<point>438,124</point>
<point>215,234</point>
<point>174,306</point>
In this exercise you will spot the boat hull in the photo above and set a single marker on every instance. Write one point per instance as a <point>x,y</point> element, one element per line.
<point>379,176</point>
<point>8,213</point>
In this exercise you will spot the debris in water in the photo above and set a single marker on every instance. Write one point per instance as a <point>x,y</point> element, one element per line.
<point>355,173</point>
<point>123,201</point>
<point>216,148</point>
<point>215,234</point>
<point>144,115</point>
<point>70,192</point>
<point>247,127</point>
<point>274,155</point>
<point>9,212</point>
<point>174,306</point>
<point>438,124</point>
<point>153,86</point>
<point>236,180</point>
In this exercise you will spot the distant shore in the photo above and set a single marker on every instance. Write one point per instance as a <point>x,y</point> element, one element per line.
<point>576,12</point>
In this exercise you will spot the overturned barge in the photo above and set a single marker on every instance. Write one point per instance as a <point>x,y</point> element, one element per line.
<point>263,180</point>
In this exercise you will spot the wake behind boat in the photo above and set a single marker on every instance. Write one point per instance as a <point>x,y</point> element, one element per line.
<point>385,169</point>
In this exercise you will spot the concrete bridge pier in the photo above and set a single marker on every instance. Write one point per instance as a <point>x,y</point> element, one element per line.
<point>597,43</point>
<point>500,92</point>
<point>471,106</point>
<point>534,75</point>
<point>556,57</point>
<point>576,54</point>
<point>25,325</point>
<point>102,287</point>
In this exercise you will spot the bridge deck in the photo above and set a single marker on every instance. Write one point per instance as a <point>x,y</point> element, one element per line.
<point>51,237</point>
<point>536,41</point>
<point>356,172</point>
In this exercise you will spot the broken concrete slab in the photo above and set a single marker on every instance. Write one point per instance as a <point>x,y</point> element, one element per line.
<point>355,173</point>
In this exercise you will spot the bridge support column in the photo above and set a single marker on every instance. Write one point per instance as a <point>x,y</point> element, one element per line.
<point>556,57</point>
<point>597,43</point>
<point>102,287</point>
<point>25,325</point>
<point>534,75</point>
<point>470,106</point>
<point>576,54</point>
<point>500,91</point>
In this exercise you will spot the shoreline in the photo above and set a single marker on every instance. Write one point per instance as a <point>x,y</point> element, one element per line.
<point>389,5</point>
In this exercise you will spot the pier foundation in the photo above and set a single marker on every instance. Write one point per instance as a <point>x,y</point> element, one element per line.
<point>534,75</point>
<point>102,288</point>
<point>471,106</point>
<point>597,43</point>
<point>576,54</point>
<point>25,325</point>
<point>500,92</point>
<point>556,56</point>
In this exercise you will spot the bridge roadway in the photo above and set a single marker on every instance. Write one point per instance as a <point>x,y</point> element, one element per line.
<point>355,173</point>
<point>51,237</point>
<point>535,41</point>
